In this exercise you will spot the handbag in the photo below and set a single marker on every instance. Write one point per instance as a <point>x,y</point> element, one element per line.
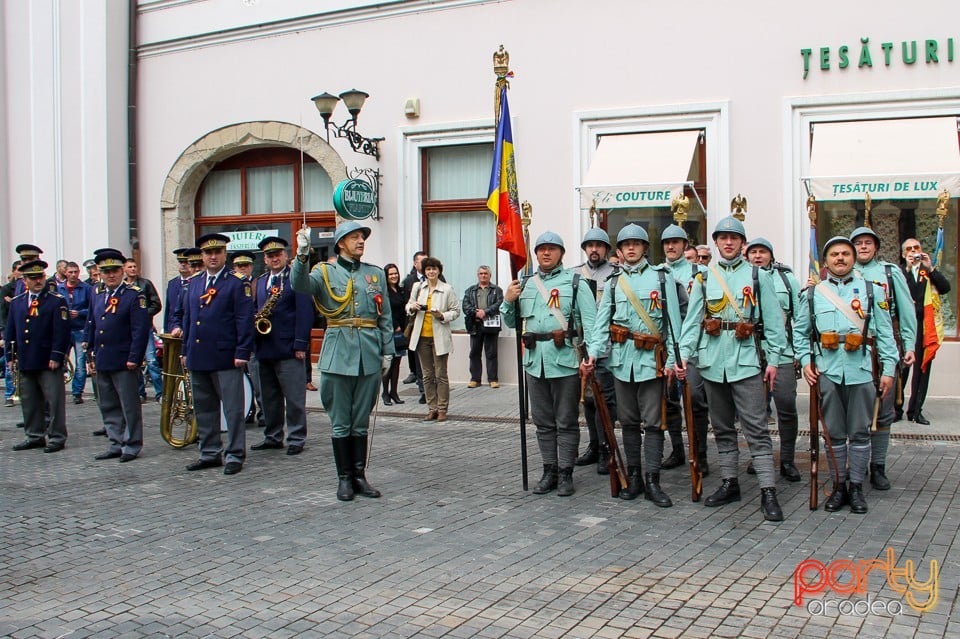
<point>411,320</point>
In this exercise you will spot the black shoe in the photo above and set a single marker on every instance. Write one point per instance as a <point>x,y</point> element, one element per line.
<point>396,399</point>
<point>878,477</point>
<point>858,505</point>
<point>603,459</point>
<point>77,399</point>
<point>200,464</point>
<point>837,499</point>
<point>423,398</point>
<point>267,444</point>
<point>565,482</point>
<point>789,471</point>
<point>675,459</point>
<point>30,443</point>
<point>409,379</point>
<point>8,403</point>
<point>750,469</point>
<point>126,457</point>
<point>110,454</point>
<point>769,505</point>
<point>920,419</point>
<point>232,468</point>
<point>100,433</point>
<point>634,485</point>
<point>653,492</point>
<point>294,449</point>
<point>386,400</point>
<point>548,482</point>
<point>53,448</point>
<point>898,416</point>
<point>704,466</point>
<point>589,456</point>
<point>143,399</point>
<point>728,493</point>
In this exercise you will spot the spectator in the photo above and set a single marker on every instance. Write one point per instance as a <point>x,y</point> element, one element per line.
<point>690,254</point>
<point>131,271</point>
<point>414,276</point>
<point>78,295</point>
<point>704,254</point>
<point>398,298</point>
<point>7,293</point>
<point>481,314</point>
<point>93,272</point>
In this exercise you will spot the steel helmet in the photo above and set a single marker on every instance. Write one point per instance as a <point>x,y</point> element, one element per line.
<point>632,232</point>
<point>761,241</point>
<point>346,229</point>
<point>674,232</point>
<point>863,230</point>
<point>839,239</point>
<point>595,234</point>
<point>549,238</point>
<point>730,224</point>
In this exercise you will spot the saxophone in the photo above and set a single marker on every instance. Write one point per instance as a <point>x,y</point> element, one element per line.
<point>261,321</point>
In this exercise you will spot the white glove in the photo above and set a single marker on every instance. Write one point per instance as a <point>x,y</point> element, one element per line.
<point>385,364</point>
<point>303,240</point>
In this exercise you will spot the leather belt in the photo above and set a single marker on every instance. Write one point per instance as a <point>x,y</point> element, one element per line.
<point>352,322</point>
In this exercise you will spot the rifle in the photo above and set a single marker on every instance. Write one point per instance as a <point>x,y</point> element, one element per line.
<point>615,465</point>
<point>815,415</point>
<point>693,445</point>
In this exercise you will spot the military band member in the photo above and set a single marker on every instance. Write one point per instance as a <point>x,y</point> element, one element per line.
<point>640,315</point>
<point>595,271</point>
<point>242,263</point>
<point>784,393</point>
<point>284,318</point>
<point>899,304</point>
<point>728,304</point>
<point>38,335</point>
<point>217,333</point>
<point>675,245</point>
<point>118,328</point>
<point>554,303</point>
<point>30,253</point>
<point>357,345</point>
<point>842,323</point>
<point>175,288</point>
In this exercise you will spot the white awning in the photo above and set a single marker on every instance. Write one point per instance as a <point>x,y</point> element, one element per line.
<point>890,159</point>
<point>639,170</point>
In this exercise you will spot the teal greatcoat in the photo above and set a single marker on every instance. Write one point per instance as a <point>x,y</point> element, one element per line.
<point>875,271</point>
<point>684,272</point>
<point>351,358</point>
<point>724,358</point>
<point>784,295</point>
<point>546,360</point>
<point>840,366</point>
<point>626,362</point>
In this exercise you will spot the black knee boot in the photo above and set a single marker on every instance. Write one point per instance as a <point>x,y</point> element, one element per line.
<point>343,456</point>
<point>360,484</point>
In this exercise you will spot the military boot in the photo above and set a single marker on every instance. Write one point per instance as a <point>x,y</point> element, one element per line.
<point>548,482</point>
<point>837,499</point>
<point>858,505</point>
<point>634,483</point>
<point>788,471</point>
<point>704,466</point>
<point>565,483</point>
<point>652,491</point>
<point>878,477</point>
<point>589,456</point>
<point>360,484</point>
<point>675,459</point>
<point>769,505</point>
<point>343,455</point>
<point>728,493</point>
<point>603,458</point>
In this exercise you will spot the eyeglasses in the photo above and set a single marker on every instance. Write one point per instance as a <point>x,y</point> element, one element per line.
<point>703,257</point>
<point>914,247</point>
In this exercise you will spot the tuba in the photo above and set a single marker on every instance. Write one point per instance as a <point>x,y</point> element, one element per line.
<point>178,424</point>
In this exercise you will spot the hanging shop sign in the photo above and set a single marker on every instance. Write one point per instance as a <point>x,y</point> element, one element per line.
<point>354,199</point>
<point>247,240</point>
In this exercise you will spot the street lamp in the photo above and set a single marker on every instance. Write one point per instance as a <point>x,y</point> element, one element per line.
<point>353,99</point>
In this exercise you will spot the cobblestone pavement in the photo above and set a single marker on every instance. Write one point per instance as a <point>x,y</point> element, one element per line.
<point>454,549</point>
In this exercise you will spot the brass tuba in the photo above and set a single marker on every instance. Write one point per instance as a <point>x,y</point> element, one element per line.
<point>178,424</point>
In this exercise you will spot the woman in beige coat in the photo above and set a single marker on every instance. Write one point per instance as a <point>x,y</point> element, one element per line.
<point>435,305</point>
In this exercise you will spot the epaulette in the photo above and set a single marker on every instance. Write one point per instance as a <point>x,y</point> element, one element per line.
<point>16,297</point>
<point>56,294</point>
<point>238,275</point>
<point>134,287</point>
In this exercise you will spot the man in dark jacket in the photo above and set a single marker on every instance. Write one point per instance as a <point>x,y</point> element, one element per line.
<point>131,272</point>
<point>78,296</point>
<point>481,313</point>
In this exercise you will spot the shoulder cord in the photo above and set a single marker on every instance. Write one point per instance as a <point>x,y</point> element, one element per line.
<point>343,300</point>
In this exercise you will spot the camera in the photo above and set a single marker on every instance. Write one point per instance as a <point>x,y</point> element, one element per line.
<point>916,258</point>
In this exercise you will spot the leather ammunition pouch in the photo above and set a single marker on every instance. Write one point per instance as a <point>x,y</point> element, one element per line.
<point>712,326</point>
<point>619,334</point>
<point>830,340</point>
<point>644,341</point>
<point>530,339</point>
<point>743,330</point>
<point>852,342</point>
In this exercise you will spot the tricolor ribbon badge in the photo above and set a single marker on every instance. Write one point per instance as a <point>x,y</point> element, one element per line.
<point>554,300</point>
<point>922,275</point>
<point>33,307</point>
<point>206,297</point>
<point>378,300</point>
<point>655,300</point>
<point>748,297</point>
<point>856,305</point>
<point>112,305</point>
<point>273,291</point>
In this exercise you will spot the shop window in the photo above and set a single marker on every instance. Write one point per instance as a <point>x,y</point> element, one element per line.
<point>459,230</point>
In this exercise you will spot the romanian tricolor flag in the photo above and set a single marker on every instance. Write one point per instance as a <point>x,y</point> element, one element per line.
<point>504,201</point>
<point>814,269</point>
<point>932,317</point>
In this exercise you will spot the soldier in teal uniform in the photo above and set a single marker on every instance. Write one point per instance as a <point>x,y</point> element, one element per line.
<point>784,392</point>
<point>675,243</point>
<point>357,345</point>
<point>902,311</point>
<point>640,315</point>
<point>729,305</point>
<point>554,303</point>
<point>840,323</point>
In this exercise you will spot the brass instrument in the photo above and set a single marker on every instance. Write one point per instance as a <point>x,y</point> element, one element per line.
<point>261,321</point>
<point>14,374</point>
<point>178,424</point>
<point>68,369</point>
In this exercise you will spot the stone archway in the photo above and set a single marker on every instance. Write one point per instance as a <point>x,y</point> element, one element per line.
<point>183,181</point>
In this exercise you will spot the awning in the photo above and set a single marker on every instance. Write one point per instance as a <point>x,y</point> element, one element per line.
<point>890,159</point>
<point>639,170</point>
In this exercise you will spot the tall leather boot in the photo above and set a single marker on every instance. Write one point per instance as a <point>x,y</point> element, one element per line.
<point>565,482</point>
<point>360,484</point>
<point>385,395</point>
<point>342,455</point>
<point>769,505</point>
<point>603,458</point>
<point>548,482</point>
<point>653,492</point>
<point>634,483</point>
<point>394,381</point>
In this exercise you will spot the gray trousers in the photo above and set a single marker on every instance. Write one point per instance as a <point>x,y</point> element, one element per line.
<point>701,415</point>
<point>848,412</point>
<point>253,368</point>
<point>283,383</point>
<point>605,379</point>
<point>746,398</point>
<point>210,389</point>
<point>555,411</point>
<point>785,399</point>
<point>639,406</point>
<point>120,409</point>
<point>36,389</point>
